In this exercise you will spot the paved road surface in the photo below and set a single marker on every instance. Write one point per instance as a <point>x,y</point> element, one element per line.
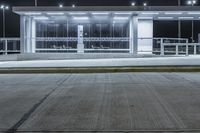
<point>100,102</point>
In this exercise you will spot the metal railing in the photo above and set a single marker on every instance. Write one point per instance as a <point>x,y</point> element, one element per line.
<point>91,44</point>
<point>163,46</point>
<point>9,45</point>
<point>180,48</point>
<point>159,46</point>
<point>166,46</point>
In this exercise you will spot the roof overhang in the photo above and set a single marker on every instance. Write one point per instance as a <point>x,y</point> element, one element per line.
<point>143,12</point>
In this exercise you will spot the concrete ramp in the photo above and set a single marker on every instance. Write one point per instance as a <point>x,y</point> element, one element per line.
<point>158,64</point>
<point>69,56</point>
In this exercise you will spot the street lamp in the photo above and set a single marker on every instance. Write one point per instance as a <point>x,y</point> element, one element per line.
<point>36,3</point>
<point>179,22</point>
<point>73,5</point>
<point>144,4</point>
<point>192,3</point>
<point>4,8</point>
<point>133,4</point>
<point>61,5</point>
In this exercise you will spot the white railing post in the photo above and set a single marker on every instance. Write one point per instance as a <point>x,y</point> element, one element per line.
<point>177,49</point>
<point>187,49</point>
<point>162,47</point>
<point>6,47</point>
<point>195,49</point>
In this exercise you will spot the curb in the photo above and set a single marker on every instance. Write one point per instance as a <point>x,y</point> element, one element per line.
<point>99,70</point>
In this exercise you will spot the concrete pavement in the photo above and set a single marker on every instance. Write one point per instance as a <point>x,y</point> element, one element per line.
<point>118,102</point>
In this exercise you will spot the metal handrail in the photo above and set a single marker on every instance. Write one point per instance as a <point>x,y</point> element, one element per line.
<point>10,39</point>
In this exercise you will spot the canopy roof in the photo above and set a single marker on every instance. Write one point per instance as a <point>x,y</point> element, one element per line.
<point>143,12</point>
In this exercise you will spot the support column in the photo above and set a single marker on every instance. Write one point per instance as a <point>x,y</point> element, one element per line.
<point>33,36</point>
<point>80,45</point>
<point>145,35</point>
<point>27,34</point>
<point>22,34</point>
<point>133,35</point>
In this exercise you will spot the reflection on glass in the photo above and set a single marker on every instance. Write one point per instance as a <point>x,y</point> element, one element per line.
<point>98,36</point>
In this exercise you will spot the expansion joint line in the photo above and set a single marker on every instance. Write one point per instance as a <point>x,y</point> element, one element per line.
<point>26,116</point>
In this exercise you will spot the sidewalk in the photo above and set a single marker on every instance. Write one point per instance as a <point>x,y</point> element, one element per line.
<point>157,64</point>
<point>123,62</point>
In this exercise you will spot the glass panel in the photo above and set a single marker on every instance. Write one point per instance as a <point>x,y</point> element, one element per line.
<point>99,36</point>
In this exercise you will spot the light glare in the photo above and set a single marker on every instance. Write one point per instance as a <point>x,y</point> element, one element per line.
<point>145,18</point>
<point>7,7</point>
<point>2,6</point>
<point>33,13</point>
<point>121,18</point>
<point>41,18</point>
<point>77,13</point>
<point>150,13</point>
<point>186,17</point>
<point>100,13</point>
<point>123,13</point>
<point>55,13</point>
<point>165,18</point>
<point>173,13</point>
<point>193,13</point>
<point>133,4</point>
<point>80,18</point>
<point>61,6</point>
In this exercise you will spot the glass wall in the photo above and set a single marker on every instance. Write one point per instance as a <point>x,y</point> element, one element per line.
<point>61,36</point>
<point>54,37</point>
<point>106,37</point>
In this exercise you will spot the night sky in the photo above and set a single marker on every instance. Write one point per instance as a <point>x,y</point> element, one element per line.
<point>12,20</point>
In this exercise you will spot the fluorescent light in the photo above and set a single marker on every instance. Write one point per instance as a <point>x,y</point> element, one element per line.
<point>80,18</point>
<point>100,13</point>
<point>121,18</point>
<point>150,13</point>
<point>173,13</point>
<point>145,18</point>
<point>101,17</point>
<point>77,13</point>
<point>123,13</point>
<point>55,13</point>
<point>193,13</point>
<point>33,13</point>
<point>41,18</point>
<point>186,17</point>
<point>165,18</point>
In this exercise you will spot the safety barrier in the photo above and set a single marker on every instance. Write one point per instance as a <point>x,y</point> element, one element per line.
<point>9,45</point>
